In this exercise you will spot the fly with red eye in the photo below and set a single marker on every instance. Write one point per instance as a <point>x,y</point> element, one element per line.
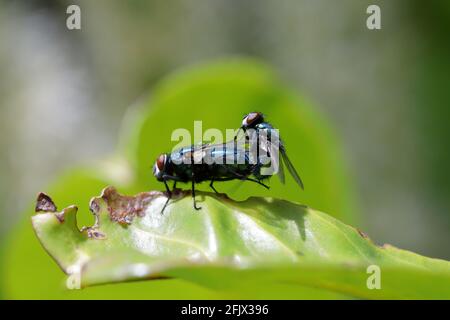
<point>180,166</point>
<point>255,121</point>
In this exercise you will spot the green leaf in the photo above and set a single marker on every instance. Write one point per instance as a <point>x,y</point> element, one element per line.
<point>231,245</point>
<point>220,93</point>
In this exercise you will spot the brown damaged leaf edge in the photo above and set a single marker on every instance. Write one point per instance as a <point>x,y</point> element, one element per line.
<point>121,208</point>
<point>45,204</point>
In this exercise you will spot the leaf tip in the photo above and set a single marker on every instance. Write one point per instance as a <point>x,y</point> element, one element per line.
<point>61,215</point>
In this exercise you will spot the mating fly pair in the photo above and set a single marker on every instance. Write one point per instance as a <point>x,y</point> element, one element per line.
<point>236,160</point>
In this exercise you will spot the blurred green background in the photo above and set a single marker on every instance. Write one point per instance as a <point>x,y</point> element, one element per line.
<point>384,95</point>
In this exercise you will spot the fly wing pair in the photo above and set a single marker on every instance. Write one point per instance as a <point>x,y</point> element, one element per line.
<point>267,146</point>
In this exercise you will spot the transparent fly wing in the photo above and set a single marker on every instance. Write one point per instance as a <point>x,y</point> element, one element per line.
<point>182,155</point>
<point>275,154</point>
<point>214,153</point>
<point>225,153</point>
<point>280,171</point>
<point>240,135</point>
<point>291,168</point>
<point>269,143</point>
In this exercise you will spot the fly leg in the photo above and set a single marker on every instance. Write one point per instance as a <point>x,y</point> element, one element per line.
<point>237,133</point>
<point>219,179</point>
<point>255,170</point>
<point>243,177</point>
<point>193,196</point>
<point>193,179</point>
<point>258,182</point>
<point>212,186</point>
<point>169,196</point>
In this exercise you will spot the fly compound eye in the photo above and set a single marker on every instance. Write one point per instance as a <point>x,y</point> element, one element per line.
<point>159,165</point>
<point>252,119</point>
<point>160,162</point>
